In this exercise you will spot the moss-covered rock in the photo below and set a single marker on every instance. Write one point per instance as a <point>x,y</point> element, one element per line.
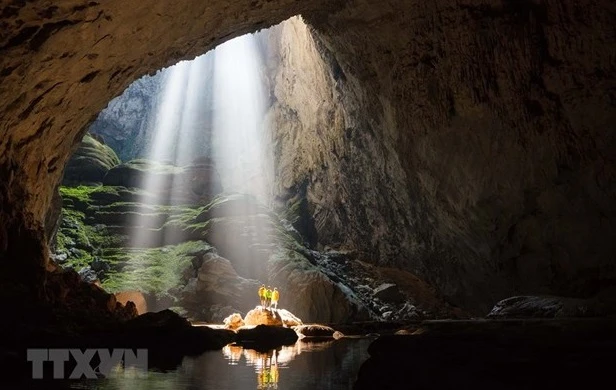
<point>90,163</point>
<point>192,184</point>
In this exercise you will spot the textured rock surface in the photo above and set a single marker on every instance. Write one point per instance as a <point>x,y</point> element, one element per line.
<point>90,163</point>
<point>554,307</point>
<point>469,142</point>
<point>217,282</point>
<point>234,321</point>
<point>480,161</point>
<point>389,292</point>
<point>126,124</point>
<point>314,330</point>
<point>262,316</point>
<point>289,319</point>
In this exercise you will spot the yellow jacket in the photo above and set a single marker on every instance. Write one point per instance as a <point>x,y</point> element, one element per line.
<point>275,295</point>
<point>262,292</point>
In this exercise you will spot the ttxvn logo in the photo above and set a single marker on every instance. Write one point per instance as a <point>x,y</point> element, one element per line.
<point>89,363</point>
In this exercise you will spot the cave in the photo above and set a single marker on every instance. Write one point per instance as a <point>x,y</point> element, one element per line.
<point>441,170</point>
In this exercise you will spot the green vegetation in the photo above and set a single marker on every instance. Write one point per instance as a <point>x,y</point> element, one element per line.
<point>98,221</point>
<point>92,148</point>
<point>154,271</point>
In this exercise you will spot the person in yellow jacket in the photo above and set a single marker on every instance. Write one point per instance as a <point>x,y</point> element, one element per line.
<point>268,297</point>
<point>262,295</point>
<point>275,297</point>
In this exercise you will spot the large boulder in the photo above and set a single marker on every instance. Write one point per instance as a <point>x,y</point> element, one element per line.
<point>389,292</point>
<point>217,284</point>
<point>316,330</point>
<point>90,162</point>
<point>234,321</point>
<point>289,319</point>
<point>308,292</point>
<point>265,336</point>
<point>262,316</point>
<point>136,297</point>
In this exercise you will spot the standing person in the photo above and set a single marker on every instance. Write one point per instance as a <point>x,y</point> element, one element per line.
<point>268,297</point>
<point>275,297</point>
<point>262,294</point>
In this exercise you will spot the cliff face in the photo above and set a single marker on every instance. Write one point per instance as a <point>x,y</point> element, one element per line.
<point>470,142</point>
<point>485,188</point>
<point>501,114</point>
<point>331,153</point>
<point>126,123</point>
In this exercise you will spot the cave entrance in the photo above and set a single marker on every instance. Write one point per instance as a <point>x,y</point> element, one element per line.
<point>168,199</point>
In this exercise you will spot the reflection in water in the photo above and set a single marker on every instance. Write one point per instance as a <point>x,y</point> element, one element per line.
<point>304,365</point>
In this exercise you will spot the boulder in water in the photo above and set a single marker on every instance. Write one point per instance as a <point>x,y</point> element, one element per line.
<point>234,321</point>
<point>289,319</point>
<point>262,316</point>
<point>316,330</point>
<point>265,336</point>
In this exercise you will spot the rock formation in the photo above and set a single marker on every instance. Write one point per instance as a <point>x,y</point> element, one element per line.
<point>234,321</point>
<point>263,316</point>
<point>468,142</point>
<point>90,163</point>
<point>126,123</point>
<point>315,330</point>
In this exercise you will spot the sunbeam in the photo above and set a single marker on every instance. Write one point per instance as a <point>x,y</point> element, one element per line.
<point>239,108</point>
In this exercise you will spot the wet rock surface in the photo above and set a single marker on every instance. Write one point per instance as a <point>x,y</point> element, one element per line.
<point>531,354</point>
<point>315,330</point>
<point>554,307</point>
<point>265,336</point>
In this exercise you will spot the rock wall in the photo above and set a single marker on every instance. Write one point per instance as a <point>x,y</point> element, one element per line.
<point>491,201</point>
<point>330,152</point>
<point>501,114</point>
<point>478,131</point>
<point>126,123</point>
